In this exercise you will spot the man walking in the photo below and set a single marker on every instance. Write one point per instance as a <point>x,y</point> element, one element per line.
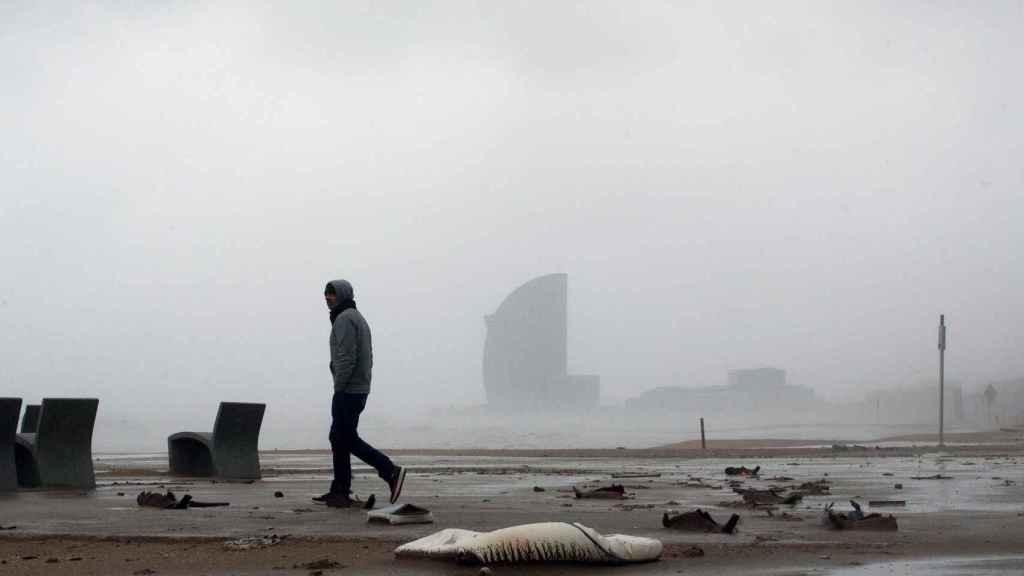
<point>351,365</point>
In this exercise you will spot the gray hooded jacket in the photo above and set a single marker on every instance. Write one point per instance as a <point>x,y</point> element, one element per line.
<point>351,346</point>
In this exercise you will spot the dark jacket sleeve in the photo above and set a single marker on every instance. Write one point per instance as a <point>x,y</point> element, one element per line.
<point>344,351</point>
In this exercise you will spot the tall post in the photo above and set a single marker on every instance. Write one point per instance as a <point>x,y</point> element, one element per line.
<point>942,374</point>
<point>703,444</point>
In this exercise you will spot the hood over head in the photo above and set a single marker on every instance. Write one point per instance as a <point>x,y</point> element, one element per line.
<point>341,288</point>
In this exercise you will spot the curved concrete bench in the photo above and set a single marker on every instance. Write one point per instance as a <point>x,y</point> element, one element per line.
<point>59,454</point>
<point>30,421</point>
<point>230,451</point>
<point>9,410</point>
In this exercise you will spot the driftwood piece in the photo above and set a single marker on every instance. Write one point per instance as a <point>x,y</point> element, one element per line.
<point>698,521</point>
<point>169,501</point>
<point>613,492</point>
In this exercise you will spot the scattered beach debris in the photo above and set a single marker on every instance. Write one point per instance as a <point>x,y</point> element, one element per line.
<point>933,477</point>
<point>783,516</point>
<point>613,492</point>
<point>737,504</point>
<point>848,447</point>
<point>538,489</point>
<point>254,542</point>
<point>322,564</point>
<point>699,483</point>
<point>144,572</point>
<point>278,494</point>
<point>741,471</point>
<point>768,497</point>
<point>631,507</point>
<point>540,542</point>
<point>793,498</point>
<point>8,528</point>
<point>816,488</point>
<point>879,503</point>
<point>401,514</point>
<point>370,502</point>
<point>698,521</point>
<point>754,497</point>
<point>637,475</point>
<point>898,486</point>
<point>169,501</point>
<point>166,501</point>
<point>857,520</point>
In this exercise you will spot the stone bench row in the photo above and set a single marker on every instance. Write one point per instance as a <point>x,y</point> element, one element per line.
<point>54,446</point>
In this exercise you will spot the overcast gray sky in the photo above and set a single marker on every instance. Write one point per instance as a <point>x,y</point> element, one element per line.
<point>727,184</point>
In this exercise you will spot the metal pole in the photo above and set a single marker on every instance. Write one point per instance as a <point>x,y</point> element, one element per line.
<point>942,374</point>
<point>703,444</point>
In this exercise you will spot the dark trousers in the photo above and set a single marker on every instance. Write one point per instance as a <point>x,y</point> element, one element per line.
<point>345,440</point>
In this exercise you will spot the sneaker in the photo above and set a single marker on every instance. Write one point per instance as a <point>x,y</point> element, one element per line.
<point>396,482</point>
<point>323,498</point>
<point>339,501</point>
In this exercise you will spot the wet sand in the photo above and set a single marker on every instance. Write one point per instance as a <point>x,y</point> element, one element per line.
<point>979,511</point>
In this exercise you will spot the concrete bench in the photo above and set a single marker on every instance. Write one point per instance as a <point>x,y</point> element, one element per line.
<point>30,421</point>
<point>9,410</point>
<point>231,451</point>
<point>59,453</point>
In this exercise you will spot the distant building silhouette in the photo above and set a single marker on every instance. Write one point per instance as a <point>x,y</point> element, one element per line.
<point>525,353</point>
<point>748,391</point>
<point>757,380</point>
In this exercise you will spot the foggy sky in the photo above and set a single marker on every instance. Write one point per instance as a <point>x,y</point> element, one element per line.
<point>799,184</point>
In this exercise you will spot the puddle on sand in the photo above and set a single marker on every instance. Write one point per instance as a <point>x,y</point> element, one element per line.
<point>981,566</point>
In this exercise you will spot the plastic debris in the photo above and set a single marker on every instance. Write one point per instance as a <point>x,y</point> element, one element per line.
<point>401,514</point>
<point>857,520</point>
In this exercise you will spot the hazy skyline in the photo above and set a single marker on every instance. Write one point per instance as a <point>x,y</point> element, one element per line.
<point>728,184</point>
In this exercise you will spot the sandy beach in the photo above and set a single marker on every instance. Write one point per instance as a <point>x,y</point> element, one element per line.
<point>977,512</point>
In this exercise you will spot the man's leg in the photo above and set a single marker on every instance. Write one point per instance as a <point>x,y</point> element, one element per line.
<point>342,431</point>
<point>354,405</point>
<point>386,469</point>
